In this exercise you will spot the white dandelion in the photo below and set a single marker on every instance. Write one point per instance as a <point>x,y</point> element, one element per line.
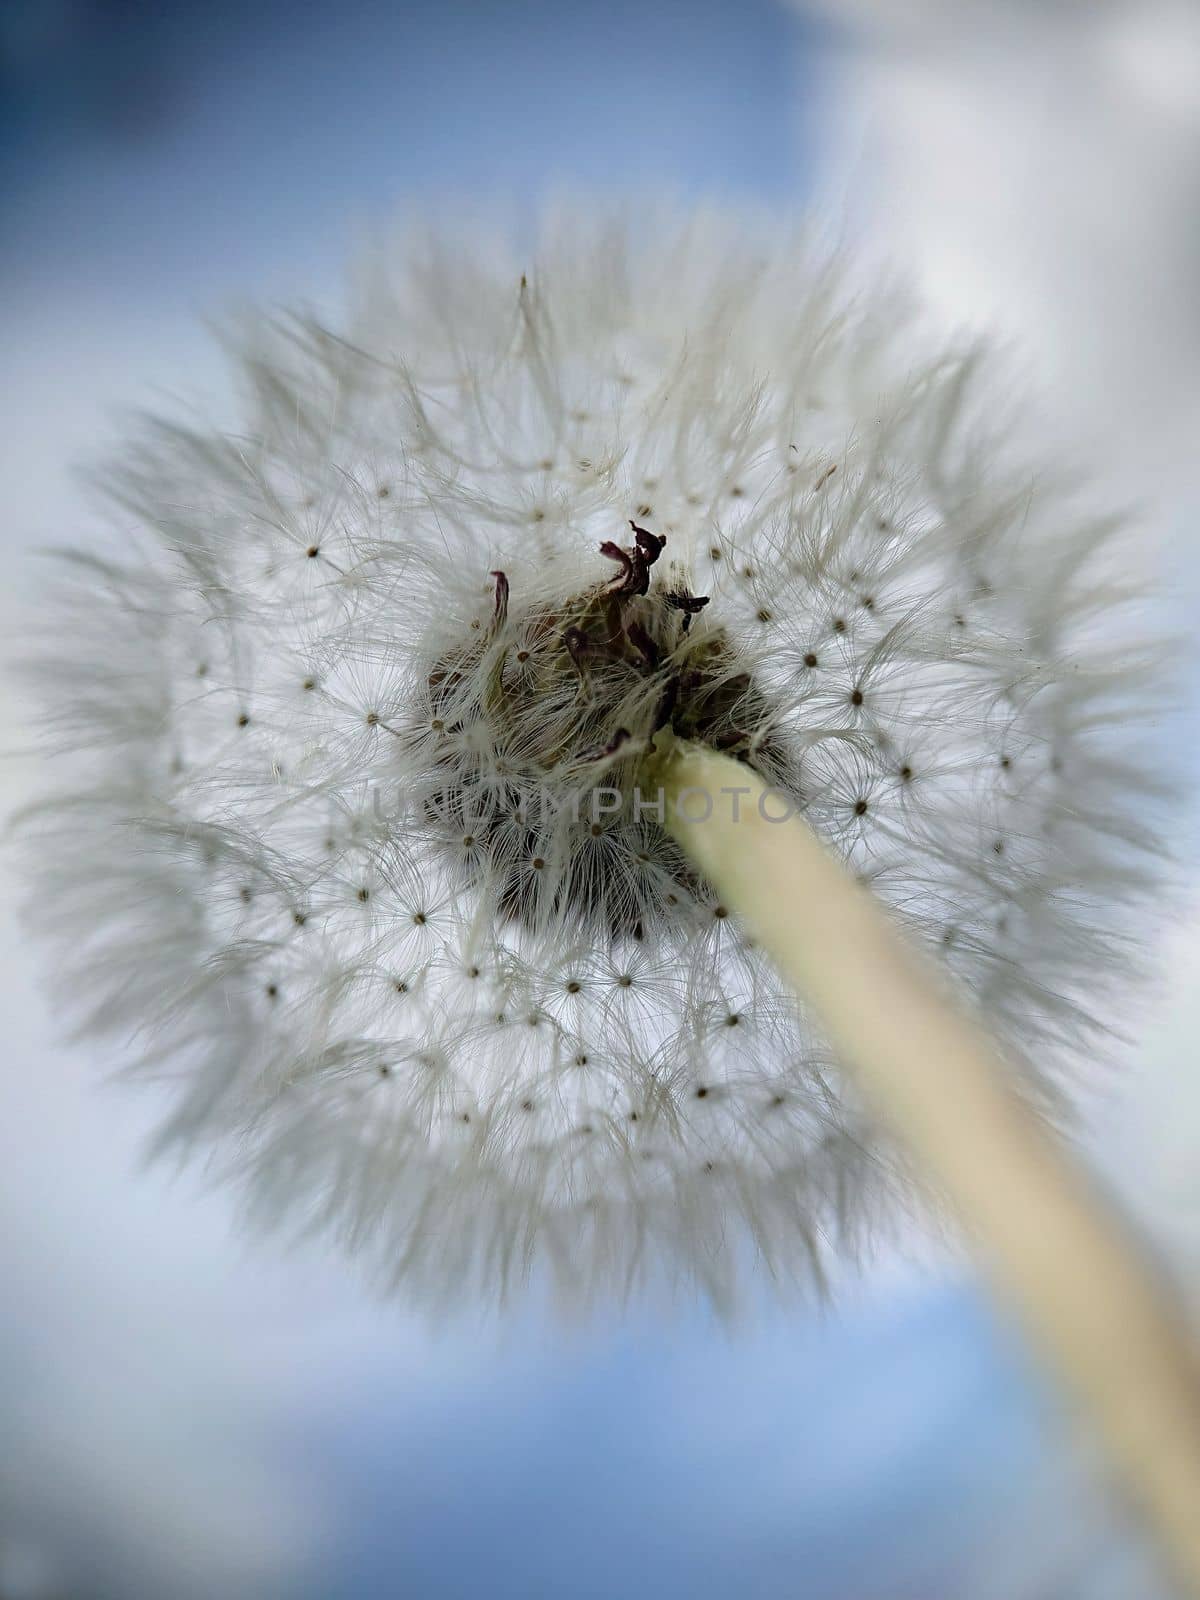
<point>373,748</point>
<point>350,840</point>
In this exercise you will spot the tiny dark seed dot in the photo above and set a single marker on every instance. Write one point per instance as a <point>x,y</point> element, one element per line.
<point>737,491</point>
<point>856,699</point>
<point>709,1166</point>
<point>732,1020</point>
<point>538,863</point>
<point>468,840</point>
<point>860,808</point>
<point>385,1071</point>
<point>309,683</point>
<point>581,1061</point>
<point>596,830</point>
<point>777,1099</point>
<point>633,1116</point>
<point>202,670</point>
<point>585,1127</point>
<point>299,918</point>
<point>960,622</point>
<point>401,987</point>
<point>810,660</point>
<point>714,553</point>
<point>243,720</point>
<point>868,602</point>
<point>372,718</point>
<point>747,572</point>
<point>533,1019</point>
<point>998,846</point>
<point>418,919</point>
<point>246,896</point>
<point>906,773</point>
<point>313,550</point>
<point>1006,762</point>
<point>272,990</point>
<point>364,893</point>
<point>672,899</point>
<point>624,981</point>
<point>437,725</point>
<point>501,1019</point>
<point>526,1105</point>
<point>383,491</point>
<point>472,972</point>
<point>522,655</point>
<point>720,913</point>
<point>763,614</point>
<point>573,987</point>
<point>839,624</point>
<point>701,1093</point>
<point>466,1117</point>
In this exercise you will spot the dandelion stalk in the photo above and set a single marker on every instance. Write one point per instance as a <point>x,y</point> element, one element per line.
<point>1100,1315</point>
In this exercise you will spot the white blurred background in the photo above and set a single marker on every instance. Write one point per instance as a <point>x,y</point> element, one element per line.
<point>185,1413</point>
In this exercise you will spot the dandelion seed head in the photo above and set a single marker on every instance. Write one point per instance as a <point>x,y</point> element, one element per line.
<point>339,846</point>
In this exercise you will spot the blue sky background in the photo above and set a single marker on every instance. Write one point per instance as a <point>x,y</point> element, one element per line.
<point>200,145</point>
<point>825,1459</point>
<point>156,161</point>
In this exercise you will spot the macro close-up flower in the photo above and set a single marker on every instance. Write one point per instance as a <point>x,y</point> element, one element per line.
<point>351,829</point>
<point>600,801</point>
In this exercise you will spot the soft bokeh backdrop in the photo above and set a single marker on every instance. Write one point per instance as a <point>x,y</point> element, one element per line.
<point>185,1413</point>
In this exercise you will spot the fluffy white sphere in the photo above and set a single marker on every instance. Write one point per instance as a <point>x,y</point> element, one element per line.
<point>323,720</point>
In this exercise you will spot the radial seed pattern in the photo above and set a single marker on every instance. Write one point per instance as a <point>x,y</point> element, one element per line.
<point>324,722</point>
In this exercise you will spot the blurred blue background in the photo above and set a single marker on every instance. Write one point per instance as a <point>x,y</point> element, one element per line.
<point>187,1414</point>
<point>202,146</point>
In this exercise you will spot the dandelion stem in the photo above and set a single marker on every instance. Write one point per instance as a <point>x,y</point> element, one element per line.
<point>1088,1298</point>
